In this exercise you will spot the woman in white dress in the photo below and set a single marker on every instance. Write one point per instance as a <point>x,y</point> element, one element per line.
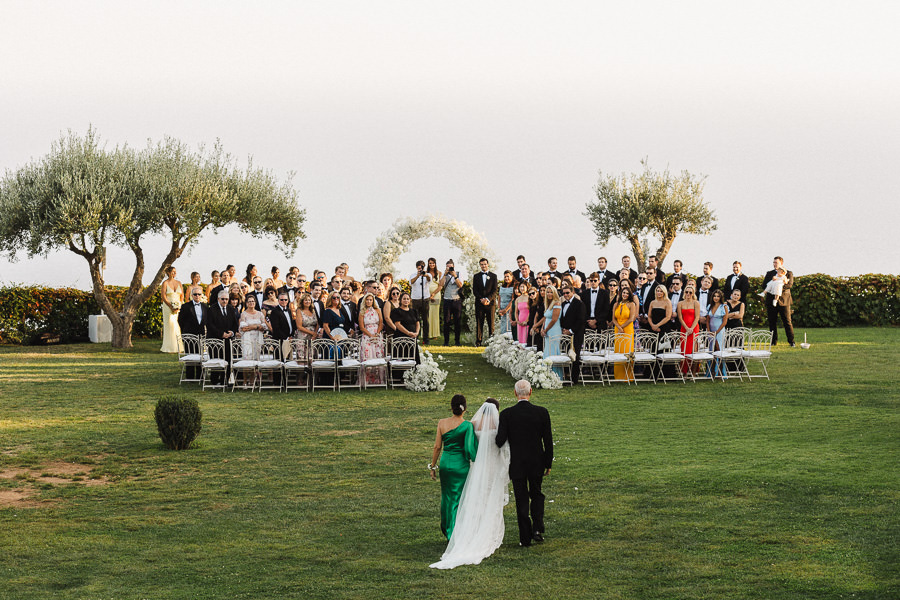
<point>172,298</point>
<point>252,325</point>
<point>479,527</point>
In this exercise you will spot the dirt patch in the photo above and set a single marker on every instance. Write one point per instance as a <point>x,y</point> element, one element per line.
<point>54,473</point>
<point>18,499</point>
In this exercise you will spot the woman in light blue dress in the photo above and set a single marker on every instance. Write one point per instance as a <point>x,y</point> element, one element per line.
<point>551,330</point>
<point>717,314</point>
<point>507,290</point>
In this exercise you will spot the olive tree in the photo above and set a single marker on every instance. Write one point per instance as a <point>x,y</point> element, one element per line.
<point>636,205</point>
<point>84,198</point>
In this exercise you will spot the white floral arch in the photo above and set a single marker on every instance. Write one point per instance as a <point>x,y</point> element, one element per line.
<point>393,243</point>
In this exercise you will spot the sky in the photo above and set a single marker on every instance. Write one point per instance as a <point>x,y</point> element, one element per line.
<point>499,114</point>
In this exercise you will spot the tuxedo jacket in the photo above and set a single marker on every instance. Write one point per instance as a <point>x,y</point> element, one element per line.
<point>187,319</point>
<point>737,282</point>
<point>527,429</point>
<point>709,294</point>
<point>350,316</point>
<point>218,324</point>
<point>572,318</point>
<point>713,287</point>
<point>214,293</point>
<point>480,290</point>
<point>632,275</point>
<point>281,329</point>
<point>556,274</point>
<point>675,276</point>
<point>605,276</point>
<point>530,280</point>
<point>785,298</point>
<point>291,292</point>
<point>678,297</point>
<point>601,306</point>
<point>579,274</point>
<point>661,277</point>
<point>648,295</point>
<point>318,308</point>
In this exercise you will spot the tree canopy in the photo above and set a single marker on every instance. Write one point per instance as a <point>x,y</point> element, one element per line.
<point>84,198</point>
<point>633,206</point>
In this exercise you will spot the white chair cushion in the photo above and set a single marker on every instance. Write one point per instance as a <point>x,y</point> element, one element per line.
<point>375,362</point>
<point>322,364</point>
<point>403,363</point>
<point>699,356</point>
<point>644,357</point>
<point>593,359</point>
<point>293,364</point>
<point>349,362</point>
<point>614,357</point>
<point>190,358</point>
<point>270,364</point>
<point>558,359</point>
<point>756,353</point>
<point>670,356</point>
<point>727,353</point>
<point>215,362</point>
<point>245,364</point>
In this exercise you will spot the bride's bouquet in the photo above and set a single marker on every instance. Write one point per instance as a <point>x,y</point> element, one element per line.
<point>426,376</point>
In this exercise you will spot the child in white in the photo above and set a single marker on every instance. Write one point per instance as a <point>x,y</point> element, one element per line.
<point>776,285</point>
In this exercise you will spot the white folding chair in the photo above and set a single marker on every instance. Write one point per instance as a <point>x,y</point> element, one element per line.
<point>645,343</point>
<point>701,356</point>
<point>760,350</point>
<point>243,368</point>
<point>623,357</point>
<point>593,358</point>
<point>213,364</point>
<point>323,364</point>
<point>562,359</point>
<point>271,365</point>
<point>376,363</point>
<point>348,365</point>
<point>403,358</point>
<point>669,354</point>
<point>296,366</point>
<point>190,355</point>
<point>731,352</point>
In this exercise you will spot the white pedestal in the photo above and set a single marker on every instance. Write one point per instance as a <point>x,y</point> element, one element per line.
<point>99,329</point>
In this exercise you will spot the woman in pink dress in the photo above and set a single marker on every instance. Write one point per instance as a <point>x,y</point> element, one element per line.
<point>521,312</point>
<point>371,344</point>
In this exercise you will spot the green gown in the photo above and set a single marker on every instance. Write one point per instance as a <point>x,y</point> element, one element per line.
<point>460,446</point>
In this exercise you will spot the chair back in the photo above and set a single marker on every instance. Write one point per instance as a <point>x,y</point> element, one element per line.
<point>646,341</point>
<point>191,343</point>
<point>299,351</point>
<point>403,348</point>
<point>214,348</point>
<point>565,344</point>
<point>594,342</point>
<point>704,341</point>
<point>672,342</point>
<point>271,350</point>
<point>348,348</point>
<point>761,339</point>
<point>321,349</point>
<point>733,340</point>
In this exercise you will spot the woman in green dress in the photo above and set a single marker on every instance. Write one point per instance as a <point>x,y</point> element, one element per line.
<point>456,437</point>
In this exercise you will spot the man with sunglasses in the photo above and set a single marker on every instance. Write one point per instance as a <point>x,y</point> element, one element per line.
<point>258,292</point>
<point>290,287</point>
<point>573,322</point>
<point>596,304</point>
<point>192,317</point>
<point>222,325</point>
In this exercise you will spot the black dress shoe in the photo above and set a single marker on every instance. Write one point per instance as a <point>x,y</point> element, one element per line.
<point>538,537</point>
<point>528,545</point>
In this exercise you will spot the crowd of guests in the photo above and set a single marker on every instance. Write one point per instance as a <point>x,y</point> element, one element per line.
<point>535,307</point>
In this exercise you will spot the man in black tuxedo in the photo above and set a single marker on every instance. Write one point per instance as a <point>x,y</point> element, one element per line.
<point>527,428</point>
<point>282,323</point>
<point>626,264</point>
<point>676,295</point>
<point>780,305</point>
<point>677,274</point>
<point>648,291</point>
<point>551,268</point>
<point>704,297</point>
<point>348,310</point>
<point>290,287</point>
<point>484,289</point>
<point>707,272</point>
<point>653,263</point>
<point>222,324</point>
<point>315,292</point>
<point>192,317</point>
<point>517,274</point>
<point>572,321</point>
<point>602,272</point>
<point>596,304</point>
<point>574,272</point>
<point>258,292</point>
<point>525,275</point>
<point>737,281</point>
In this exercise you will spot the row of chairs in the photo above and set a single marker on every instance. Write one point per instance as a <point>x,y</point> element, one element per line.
<point>666,358</point>
<point>294,364</point>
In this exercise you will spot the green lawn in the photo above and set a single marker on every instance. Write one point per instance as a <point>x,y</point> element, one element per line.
<point>779,489</point>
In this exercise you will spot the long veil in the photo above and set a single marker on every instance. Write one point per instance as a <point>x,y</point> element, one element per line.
<point>479,519</point>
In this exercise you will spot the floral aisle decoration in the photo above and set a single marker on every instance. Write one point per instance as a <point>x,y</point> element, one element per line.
<point>393,243</point>
<point>520,362</point>
<point>426,376</point>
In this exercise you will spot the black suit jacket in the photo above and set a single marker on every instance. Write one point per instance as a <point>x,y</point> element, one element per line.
<point>605,276</point>
<point>214,293</point>
<point>530,281</point>
<point>675,276</point>
<point>785,298</point>
<point>291,292</point>
<point>660,277</point>
<point>187,319</point>
<point>713,287</point>
<point>480,290</point>
<point>580,274</point>
<point>648,295</point>
<point>218,324</point>
<point>527,428</point>
<point>281,329</point>
<point>737,282</point>
<point>601,306</point>
<point>350,316</point>
<point>572,318</point>
<point>260,297</point>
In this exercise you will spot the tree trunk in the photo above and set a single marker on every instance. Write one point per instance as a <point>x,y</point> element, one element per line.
<point>121,333</point>
<point>664,246</point>
<point>639,257</point>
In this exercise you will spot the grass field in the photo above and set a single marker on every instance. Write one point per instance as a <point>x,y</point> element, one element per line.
<point>782,489</point>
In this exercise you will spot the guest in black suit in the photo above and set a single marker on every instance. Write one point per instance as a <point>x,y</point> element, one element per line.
<point>778,305</point>
<point>653,263</point>
<point>574,272</point>
<point>704,298</point>
<point>525,275</point>
<point>573,323</point>
<point>648,292</point>
<point>527,428</point>
<point>517,274</point>
<point>551,268</point>
<point>222,325</point>
<point>315,292</point>
<point>258,291</point>
<point>676,295</point>
<point>192,315</point>
<point>348,310</point>
<point>290,288</point>
<point>626,264</point>
<point>602,272</point>
<point>596,304</point>
<point>484,289</point>
<point>223,283</point>
<point>677,274</point>
<point>707,272</point>
<point>737,281</point>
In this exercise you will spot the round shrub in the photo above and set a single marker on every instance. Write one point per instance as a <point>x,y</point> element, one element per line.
<point>178,421</point>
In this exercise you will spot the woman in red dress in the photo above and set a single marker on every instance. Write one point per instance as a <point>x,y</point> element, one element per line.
<point>689,317</point>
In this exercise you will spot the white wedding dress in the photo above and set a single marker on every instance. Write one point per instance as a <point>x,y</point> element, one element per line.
<point>479,520</point>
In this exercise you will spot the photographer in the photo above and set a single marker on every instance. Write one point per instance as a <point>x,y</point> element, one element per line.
<point>420,288</point>
<point>451,283</point>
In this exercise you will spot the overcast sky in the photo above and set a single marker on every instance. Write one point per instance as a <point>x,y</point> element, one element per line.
<point>500,114</point>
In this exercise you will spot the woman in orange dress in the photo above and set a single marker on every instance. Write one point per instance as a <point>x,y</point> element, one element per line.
<point>689,317</point>
<point>625,312</point>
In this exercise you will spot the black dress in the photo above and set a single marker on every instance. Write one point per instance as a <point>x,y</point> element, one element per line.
<point>409,319</point>
<point>658,314</point>
<point>537,340</point>
<point>732,323</point>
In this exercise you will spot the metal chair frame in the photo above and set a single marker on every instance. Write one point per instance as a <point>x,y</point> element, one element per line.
<point>214,361</point>
<point>593,358</point>
<point>241,367</point>
<point>403,358</point>
<point>375,363</point>
<point>297,365</point>
<point>348,364</point>
<point>271,363</point>
<point>190,354</point>
<point>672,355</point>
<point>322,359</point>
<point>645,343</point>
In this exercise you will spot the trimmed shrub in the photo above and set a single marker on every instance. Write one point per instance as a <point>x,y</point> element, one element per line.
<point>178,421</point>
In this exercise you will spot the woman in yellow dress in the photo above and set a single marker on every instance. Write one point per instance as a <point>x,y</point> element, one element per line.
<point>625,312</point>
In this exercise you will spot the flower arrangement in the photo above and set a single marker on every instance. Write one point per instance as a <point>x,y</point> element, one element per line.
<point>505,353</point>
<point>176,305</point>
<point>426,376</point>
<point>391,244</point>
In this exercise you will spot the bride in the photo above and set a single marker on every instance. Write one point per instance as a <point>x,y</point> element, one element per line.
<point>479,520</point>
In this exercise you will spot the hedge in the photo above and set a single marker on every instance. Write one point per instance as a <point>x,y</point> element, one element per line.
<point>27,312</point>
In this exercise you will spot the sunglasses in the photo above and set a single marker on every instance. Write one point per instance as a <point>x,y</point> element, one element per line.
<point>196,294</point>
